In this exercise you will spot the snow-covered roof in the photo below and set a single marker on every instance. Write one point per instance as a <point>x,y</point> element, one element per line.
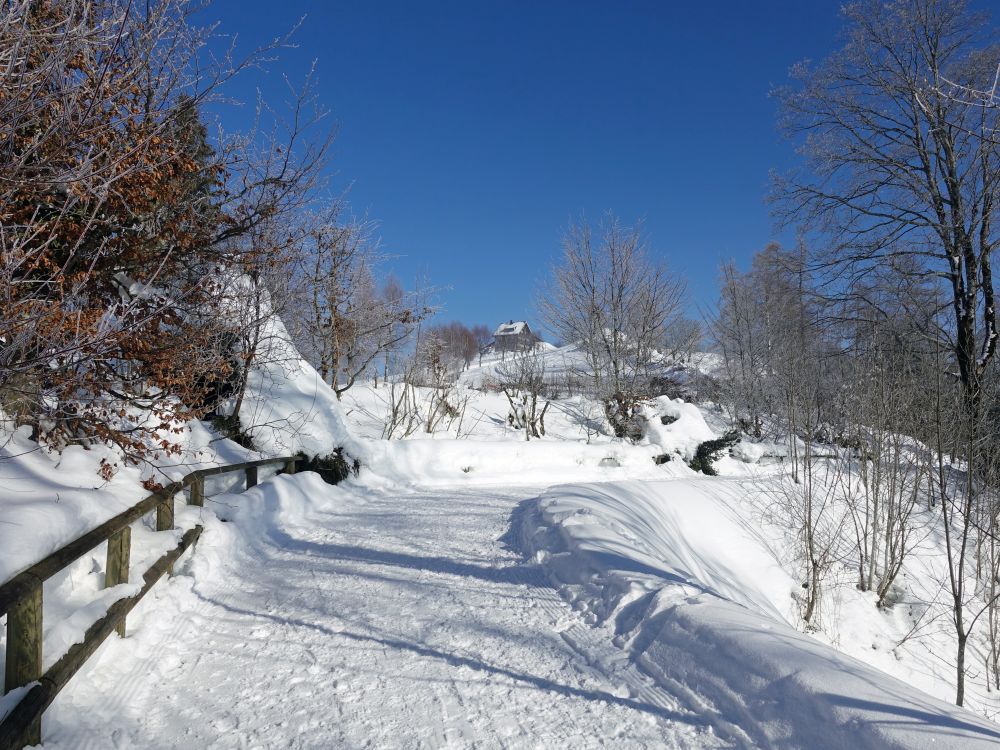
<point>513,328</point>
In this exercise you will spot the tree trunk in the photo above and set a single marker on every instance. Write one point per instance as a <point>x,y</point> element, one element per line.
<point>960,670</point>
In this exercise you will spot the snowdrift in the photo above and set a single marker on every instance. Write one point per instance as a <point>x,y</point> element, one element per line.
<point>697,598</point>
<point>287,407</point>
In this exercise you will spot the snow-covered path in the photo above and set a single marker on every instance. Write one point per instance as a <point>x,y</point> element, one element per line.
<point>380,620</point>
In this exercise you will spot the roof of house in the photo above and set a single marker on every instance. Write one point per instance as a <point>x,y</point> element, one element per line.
<point>513,328</point>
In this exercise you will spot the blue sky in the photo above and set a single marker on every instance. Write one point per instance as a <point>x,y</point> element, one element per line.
<point>474,132</point>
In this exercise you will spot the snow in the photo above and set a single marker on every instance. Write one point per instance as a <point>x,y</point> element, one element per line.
<point>349,617</point>
<point>558,362</point>
<point>698,599</point>
<point>49,499</point>
<point>412,605</point>
<point>288,409</point>
<point>683,434</point>
<point>430,462</point>
<point>513,328</point>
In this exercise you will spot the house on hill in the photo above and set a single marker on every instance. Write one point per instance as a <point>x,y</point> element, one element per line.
<point>513,336</point>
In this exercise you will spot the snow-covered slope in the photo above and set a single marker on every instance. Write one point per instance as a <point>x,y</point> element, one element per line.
<point>696,596</point>
<point>288,408</point>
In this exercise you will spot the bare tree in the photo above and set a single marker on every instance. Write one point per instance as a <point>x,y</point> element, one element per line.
<point>436,370</point>
<point>886,483</point>
<point>956,494</point>
<point>522,380</point>
<point>988,557</point>
<point>903,175</point>
<point>404,417</point>
<point>459,342</point>
<point>886,326</point>
<point>769,332</point>
<point>347,325</point>
<point>394,297</point>
<point>681,338</point>
<point>969,94</point>
<point>739,336</point>
<point>483,338</point>
<point>608,296</point>
<point>898,168</point>
<point>965,492</point>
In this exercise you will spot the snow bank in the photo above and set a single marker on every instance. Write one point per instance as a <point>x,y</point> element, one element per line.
<point>251,521</point>
<point>699,601</point>
<point>163,630</point>
<point>482,447</point>
<point>75,597</point>
<point>49,499</point>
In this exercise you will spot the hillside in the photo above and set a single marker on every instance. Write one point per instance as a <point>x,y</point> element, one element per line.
<point>678,591</point>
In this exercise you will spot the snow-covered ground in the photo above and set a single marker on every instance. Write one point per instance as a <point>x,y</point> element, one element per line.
<point>323,617</point>
<point>357,617</point>
<point>414,605</point>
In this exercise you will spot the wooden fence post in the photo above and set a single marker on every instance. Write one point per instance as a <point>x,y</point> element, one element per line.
<point>290,466</point>
<point>251,476</point>
<point>165,520</point>
<point>196,494</point>
<point>24,649</point>
<point>116,569</point>
<point>165,515</point>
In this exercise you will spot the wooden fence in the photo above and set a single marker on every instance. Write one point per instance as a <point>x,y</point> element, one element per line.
<point>21,598</point>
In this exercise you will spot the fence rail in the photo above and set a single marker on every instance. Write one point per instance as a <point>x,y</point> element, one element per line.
<point>21,598</point>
